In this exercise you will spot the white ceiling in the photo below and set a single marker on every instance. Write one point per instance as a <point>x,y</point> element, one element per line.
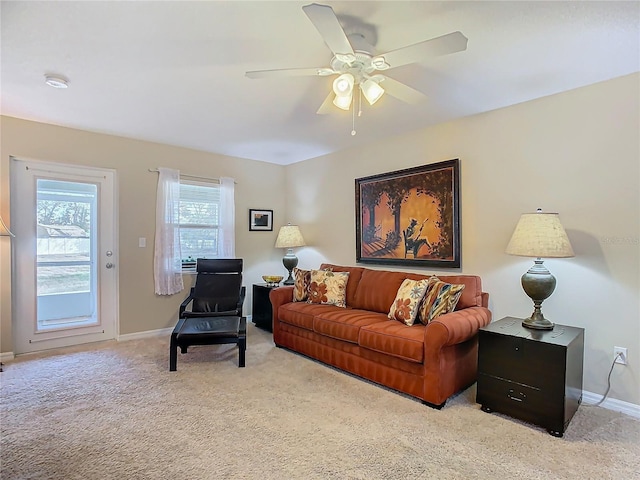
<point>173,72</point>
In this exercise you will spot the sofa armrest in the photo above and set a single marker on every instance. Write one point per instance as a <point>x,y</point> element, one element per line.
<point>450,352</point>
<point>279,296</point>
<point>455,327</point>
<point>485,299</point>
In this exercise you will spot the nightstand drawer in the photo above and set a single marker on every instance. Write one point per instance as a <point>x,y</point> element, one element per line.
<point>521,360</point>
<point>520,401</point>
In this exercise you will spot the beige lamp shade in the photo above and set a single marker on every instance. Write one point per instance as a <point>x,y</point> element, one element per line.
<point>289,236</point>
<point>540,235</point>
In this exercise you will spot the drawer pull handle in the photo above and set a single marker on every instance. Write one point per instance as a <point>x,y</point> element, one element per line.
<point>521,396</point>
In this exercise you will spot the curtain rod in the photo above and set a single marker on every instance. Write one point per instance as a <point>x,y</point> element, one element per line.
<point>197,177</point>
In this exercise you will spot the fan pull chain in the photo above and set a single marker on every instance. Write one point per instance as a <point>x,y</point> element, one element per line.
<point>353,119</point>
<point>353,112</point>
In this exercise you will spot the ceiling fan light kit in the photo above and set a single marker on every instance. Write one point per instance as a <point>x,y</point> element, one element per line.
<point>371,90</point>
<point>343,85</point>
<point>344,103</point>
<point>355,60</point>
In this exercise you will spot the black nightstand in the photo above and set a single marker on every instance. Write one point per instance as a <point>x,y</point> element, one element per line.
<point>532,375</point>
<point>261,307</point>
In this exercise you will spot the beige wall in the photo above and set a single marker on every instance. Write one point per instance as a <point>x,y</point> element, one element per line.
<point>140,309</point>
<point>576,153</point>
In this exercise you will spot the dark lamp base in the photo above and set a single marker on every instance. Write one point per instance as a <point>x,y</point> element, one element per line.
<point>537,324</point>
<point>290,261</point>
<point>538,284</point>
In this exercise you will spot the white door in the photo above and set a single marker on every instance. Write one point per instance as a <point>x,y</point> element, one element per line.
<point>64,269</point>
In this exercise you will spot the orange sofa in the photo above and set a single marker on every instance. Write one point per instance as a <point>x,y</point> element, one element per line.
<point>430,362</point>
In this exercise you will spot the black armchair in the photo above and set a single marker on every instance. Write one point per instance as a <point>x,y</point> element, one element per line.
<point>215,314</point>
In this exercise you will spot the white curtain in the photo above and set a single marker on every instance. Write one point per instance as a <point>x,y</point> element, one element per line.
<point>167,259</point>
<point>227,227</point>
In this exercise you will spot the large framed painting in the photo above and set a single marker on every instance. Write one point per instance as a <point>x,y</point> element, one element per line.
<point>410,217</point>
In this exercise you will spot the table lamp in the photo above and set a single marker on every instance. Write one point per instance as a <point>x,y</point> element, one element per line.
<point>289,237</point>
<point>539,235</point>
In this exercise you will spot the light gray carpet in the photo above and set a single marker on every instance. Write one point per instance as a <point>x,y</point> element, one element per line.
<point>114,411</point>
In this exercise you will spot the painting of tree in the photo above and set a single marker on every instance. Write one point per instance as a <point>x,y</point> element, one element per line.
<point>410,217</point>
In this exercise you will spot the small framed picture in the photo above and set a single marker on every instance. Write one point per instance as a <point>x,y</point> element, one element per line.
<point>260,220</point>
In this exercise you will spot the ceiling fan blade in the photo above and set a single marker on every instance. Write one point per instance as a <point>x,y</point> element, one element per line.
<point>327,106</point>
<point>326,22</point>
<point>418,52</point>
<point>401,91</point>
<point>287,72</point>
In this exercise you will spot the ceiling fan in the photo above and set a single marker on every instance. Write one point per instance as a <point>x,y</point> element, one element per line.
<point>357,65</point>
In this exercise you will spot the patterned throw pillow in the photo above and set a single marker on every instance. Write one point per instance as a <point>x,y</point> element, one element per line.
<point>301,284</point>
<point>405,307</point>
<point>328,288</point>
<point>441,298</point>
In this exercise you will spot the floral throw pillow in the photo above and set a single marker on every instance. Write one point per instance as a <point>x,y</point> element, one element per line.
<point>407,302</point>
<point>301,284</point>
<point>441,298</point>
<point>328,288</point>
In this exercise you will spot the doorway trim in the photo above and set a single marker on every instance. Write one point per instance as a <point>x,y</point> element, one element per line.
<point>23,276</point>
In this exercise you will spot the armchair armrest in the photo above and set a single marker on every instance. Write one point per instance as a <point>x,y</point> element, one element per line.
<point>243,292</point>
<point>186,302</point>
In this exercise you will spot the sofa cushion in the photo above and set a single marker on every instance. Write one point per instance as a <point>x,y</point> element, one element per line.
<point>344,324</point>
<point>301,284</point>
<point>328,288</point>
<point>355,273</point>
<point>394,338</point>
<point>377,290</point>
<point>408,299</point>
<point>441,298</point>
<point>300,314</point>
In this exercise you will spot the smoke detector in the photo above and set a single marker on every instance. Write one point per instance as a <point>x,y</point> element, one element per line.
<point>56,81</point>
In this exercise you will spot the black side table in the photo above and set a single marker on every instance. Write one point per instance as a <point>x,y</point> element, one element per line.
<point>261,312</point>
<point>532,375</point>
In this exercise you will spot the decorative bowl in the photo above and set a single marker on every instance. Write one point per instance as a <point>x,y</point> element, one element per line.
<point>272,280</point>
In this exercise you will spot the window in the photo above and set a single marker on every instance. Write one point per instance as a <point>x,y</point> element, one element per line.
<point>199,221</point>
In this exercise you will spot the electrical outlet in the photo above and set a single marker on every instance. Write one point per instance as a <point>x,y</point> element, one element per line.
<point>622,358</point>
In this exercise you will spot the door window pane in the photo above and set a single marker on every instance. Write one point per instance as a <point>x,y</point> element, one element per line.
<point>66,273</point>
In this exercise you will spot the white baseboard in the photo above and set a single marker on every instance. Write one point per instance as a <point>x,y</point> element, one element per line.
<point>145,334</point>
<point>152,333</point>
<point>6,356</point>
<point>631,409</point>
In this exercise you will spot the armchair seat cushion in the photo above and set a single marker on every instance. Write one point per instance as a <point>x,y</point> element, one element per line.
<point>199,329</point>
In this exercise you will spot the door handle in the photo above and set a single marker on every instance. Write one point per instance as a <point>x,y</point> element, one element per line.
<point>109,265</point>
